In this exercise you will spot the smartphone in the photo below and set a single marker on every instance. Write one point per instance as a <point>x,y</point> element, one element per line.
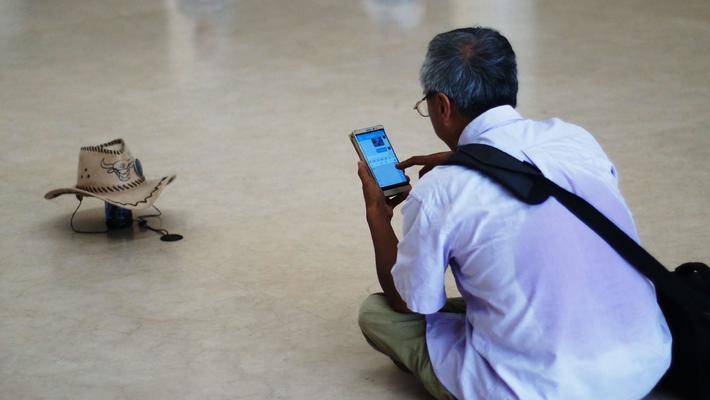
<point>373,146</point>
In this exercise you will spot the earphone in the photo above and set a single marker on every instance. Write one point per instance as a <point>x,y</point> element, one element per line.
<point>165,236</point>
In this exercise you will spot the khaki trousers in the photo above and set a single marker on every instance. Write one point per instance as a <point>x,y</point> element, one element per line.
<point>402,337</point>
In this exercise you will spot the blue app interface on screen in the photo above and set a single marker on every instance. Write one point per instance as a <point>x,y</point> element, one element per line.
<point>381,158</point>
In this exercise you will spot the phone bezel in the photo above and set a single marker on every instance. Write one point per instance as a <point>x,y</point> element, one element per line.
<point>390,190</point>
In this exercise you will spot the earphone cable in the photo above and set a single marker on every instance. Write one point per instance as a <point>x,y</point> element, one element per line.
<point>142,223</point>
<point>164,234</point>
<point>71,221</point>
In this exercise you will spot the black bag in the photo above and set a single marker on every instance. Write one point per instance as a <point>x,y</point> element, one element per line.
<point>683,295</point>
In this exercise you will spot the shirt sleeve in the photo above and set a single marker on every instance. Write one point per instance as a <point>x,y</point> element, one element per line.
<point>422,258</point>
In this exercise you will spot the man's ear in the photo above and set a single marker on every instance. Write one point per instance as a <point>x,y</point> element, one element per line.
<point>446,109</point>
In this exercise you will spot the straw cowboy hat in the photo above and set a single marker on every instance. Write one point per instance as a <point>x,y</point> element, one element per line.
<point>109,172</point>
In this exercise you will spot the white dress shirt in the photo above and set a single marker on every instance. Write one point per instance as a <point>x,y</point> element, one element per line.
<point>552,311</point>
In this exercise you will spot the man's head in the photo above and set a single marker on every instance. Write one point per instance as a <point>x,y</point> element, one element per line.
<point>465,73</point>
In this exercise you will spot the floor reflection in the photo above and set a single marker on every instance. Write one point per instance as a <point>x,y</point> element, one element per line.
<point>195,27</point>
<point>402,14</point>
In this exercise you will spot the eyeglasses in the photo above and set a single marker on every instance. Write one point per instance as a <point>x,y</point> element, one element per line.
<point>418,107</point>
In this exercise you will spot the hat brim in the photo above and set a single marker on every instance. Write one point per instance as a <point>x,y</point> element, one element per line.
<point>135,199</point>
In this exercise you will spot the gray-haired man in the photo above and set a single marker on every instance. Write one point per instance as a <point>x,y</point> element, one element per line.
<point>549,310</point>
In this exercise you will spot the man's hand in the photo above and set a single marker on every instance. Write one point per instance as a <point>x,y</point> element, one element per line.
<point>376,204</point>
<point>429,161</point>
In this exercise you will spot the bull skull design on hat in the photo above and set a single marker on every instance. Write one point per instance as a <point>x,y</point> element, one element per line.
<point>121,168</point>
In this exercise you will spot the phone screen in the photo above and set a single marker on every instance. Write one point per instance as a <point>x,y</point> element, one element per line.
<point>379,155</point>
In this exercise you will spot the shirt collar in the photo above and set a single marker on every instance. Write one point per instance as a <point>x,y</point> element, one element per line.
<point>493,118</point>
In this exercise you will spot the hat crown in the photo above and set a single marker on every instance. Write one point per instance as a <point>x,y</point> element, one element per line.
<point>109,166</point>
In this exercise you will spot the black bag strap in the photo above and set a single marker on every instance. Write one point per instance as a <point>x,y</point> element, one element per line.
<point>516,176</point>
<point>529,185</point>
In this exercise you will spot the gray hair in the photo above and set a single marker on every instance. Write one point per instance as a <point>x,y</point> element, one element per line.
<point>475,67</point>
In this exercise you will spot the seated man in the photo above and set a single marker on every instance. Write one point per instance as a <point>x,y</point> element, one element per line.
<point>549,310</point>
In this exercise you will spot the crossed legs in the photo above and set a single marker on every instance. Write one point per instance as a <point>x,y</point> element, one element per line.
<point>402,337</point>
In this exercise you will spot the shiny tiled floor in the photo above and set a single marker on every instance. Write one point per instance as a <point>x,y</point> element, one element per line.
<point>250,103</point>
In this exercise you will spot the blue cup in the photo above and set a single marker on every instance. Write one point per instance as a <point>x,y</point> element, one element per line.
<point>117,217</point>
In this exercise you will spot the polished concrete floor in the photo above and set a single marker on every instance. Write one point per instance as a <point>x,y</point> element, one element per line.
<point>250,102</point>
